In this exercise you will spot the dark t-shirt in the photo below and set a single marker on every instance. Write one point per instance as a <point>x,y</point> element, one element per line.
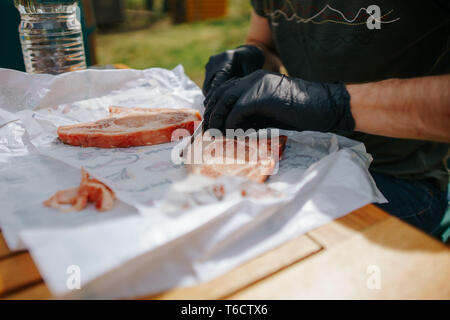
<point>336,40</point>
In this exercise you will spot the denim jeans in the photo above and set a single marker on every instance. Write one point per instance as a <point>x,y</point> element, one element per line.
<point>419,203</point>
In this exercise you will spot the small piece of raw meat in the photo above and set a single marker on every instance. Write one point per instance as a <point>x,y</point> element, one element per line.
<point>76,199</point>
<point>130,127</point>
<point>257,161</point>
<point>62,198</point>
<point>100,194</point>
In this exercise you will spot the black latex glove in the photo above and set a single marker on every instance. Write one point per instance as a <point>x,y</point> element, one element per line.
<point>264,99</point>
<point>230,64</point>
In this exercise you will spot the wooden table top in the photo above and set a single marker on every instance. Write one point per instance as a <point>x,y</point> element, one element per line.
<point>366,254</point>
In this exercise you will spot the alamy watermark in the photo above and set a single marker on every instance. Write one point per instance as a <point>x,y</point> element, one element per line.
<point>73,281</point>
<point>373,281</point>
<point>374,20</point>
<point>235,147</point>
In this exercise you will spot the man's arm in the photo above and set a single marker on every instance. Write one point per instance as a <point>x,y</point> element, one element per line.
<point>260,36</point>
<point>417,108</point>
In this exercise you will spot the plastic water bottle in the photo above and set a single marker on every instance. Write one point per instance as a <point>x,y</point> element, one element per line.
<point>51,36</point>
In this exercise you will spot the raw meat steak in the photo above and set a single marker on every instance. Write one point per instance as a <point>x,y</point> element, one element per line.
<point>129,127</point>
<point>257,161</point>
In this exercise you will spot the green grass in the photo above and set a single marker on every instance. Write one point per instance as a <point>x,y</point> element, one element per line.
<point>166,45</point>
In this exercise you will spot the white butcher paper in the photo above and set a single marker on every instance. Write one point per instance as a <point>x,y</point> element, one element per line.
<point>168,228</point>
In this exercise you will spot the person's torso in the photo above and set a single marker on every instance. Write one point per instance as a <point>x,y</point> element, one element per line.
<point>330,40</point>
<point>336,40</point>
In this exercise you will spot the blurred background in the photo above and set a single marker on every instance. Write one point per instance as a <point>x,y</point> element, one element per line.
<point>145,33</point>
<point>160,33</point>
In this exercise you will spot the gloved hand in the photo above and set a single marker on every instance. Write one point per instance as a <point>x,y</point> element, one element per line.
<point>264,99</point>
<point>232,63</point>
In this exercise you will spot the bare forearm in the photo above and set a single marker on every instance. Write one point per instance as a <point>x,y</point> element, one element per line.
<point>260,35</point>
<point>416,108</point>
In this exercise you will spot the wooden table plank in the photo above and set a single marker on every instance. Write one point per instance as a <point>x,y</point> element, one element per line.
<point>282,257</point>
<point>17,271</point>
<point>411,265</point>
<point>230,284</point>
<point>4,251</point>
<point>37,291</point>
<point>223,286</point>
<point>348,226</point>
<point>249,272</point>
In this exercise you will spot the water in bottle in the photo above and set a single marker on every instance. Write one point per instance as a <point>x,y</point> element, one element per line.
<point>51,36</point>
